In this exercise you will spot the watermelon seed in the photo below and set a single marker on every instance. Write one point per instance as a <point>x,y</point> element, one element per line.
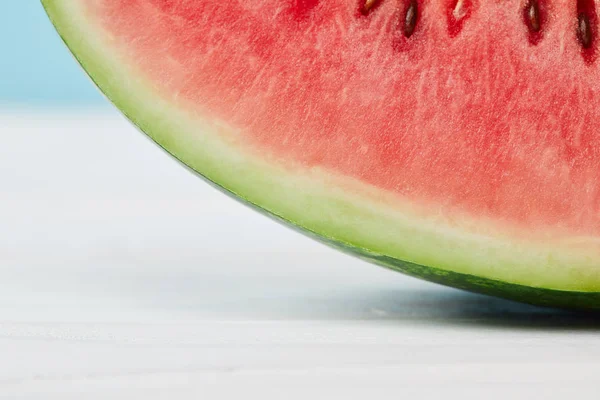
<point>410,18</point>
<point>584,30</point>
<point>368,5</point>
<point>532,16</point>
<point>458,12</point>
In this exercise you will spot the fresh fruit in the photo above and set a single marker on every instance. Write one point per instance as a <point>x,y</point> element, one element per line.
<point>453,140</point>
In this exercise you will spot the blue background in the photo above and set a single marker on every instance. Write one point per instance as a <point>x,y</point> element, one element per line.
<point>36,69</point>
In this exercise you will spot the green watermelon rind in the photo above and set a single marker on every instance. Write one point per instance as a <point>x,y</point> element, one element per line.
<point>508,269</point>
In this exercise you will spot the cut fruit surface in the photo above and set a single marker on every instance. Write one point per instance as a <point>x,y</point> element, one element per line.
<point>457,141</point>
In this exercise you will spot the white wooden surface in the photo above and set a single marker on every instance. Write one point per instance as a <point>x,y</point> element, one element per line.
<point>124,276</point>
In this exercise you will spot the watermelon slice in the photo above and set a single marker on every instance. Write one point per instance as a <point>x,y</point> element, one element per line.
<point>453,140</point>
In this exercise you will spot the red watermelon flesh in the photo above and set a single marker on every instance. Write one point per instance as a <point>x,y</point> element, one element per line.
<point>457,140</point>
